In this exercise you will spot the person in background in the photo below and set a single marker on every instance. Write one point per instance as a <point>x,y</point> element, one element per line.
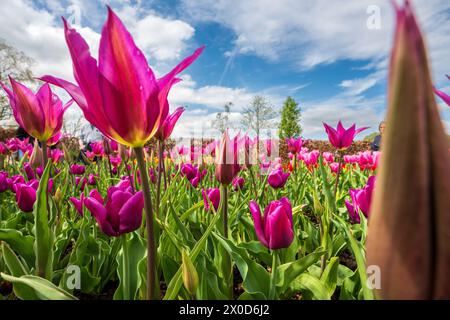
<point>376,143</point>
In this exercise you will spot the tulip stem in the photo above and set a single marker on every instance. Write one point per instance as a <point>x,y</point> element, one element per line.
<point>151,265</point>
<point>225,210</point>
<point>252,176</point>
<point>273,275</point>
<point>44,152</point>
<point>338,175</point>
<point>158,186</point>
<point>126,268</point>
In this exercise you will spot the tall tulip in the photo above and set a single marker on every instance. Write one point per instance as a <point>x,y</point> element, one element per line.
<point>408,235</point>
<point>121,96</point>
<point>40,114</point>
<point>340,137</point>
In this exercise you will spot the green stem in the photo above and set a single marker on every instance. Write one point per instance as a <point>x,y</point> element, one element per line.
<point>126,268</point>
<point>158,185</point>
<point>44,152</point>
<point>151,252</point>
<point>338,175</point>
<point>273,275</point>
<point>224,194</point>
<point>252,176</point>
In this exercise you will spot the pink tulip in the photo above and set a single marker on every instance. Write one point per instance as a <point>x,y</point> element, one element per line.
<point>28,171</point>
<point>294,145</point>
<point>3,181</point>
<point>121,214</point>
<point>40,114</point>
<point>167,126</point>
<point>25,197</point>
<point>56,155</point>
<point>361,200</point>
<point>78,204</point>
<point>77,169</point>
<point>277,178</point>
<point>340,137</point>
<point>276,229</point>
<point>328,157</point>
<point>334,167</point>
<point>97,148</point>
<point>120,94</point>
<point>213,195</point>
<point>238,183</point>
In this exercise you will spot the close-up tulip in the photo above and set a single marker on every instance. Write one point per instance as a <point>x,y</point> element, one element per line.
<point>213,195</point>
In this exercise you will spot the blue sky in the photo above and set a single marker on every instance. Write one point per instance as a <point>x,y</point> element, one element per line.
<point>320,52</point>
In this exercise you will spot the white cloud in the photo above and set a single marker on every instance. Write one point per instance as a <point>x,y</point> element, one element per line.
<point>309,33</point>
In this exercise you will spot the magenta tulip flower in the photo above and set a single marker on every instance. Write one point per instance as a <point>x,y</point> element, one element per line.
<point>121,214</point>
<point>77,169</point>
<point>213,195</point>
<point>441,94</point>
<point>120,94</point>
<point>334,167</point>
<point>3,181</point>
<point>276,229</point>
<point>78,204</point>
<point>277,178</point>
<point>40,114</point>
<point>238,183</point>
<point>25,197</point>
<point>360,200</point>
<point>340,137</point>
<point>28,171</point>
<point>17,179</point>
<point>168,124</point>
<point>294,145</point>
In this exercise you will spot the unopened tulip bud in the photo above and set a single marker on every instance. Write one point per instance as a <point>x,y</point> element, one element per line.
<point>36,159</point>
<point>408,235</point>
<point>190,275</point>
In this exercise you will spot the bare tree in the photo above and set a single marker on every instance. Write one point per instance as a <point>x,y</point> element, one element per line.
<point>16,64</point>
<point>222,118</point>
<point>259,115</point>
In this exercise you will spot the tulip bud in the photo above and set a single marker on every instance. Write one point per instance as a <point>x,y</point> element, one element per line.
<point>36,159</point>
<point>58,196</point>
<point>408,236</point>
<point>190,275</point>
<point>226,159</point>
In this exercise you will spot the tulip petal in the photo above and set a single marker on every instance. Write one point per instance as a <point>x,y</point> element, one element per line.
<point>279,228</point>
<point>100,214</point>
<point>131,213</point>
<point>256,214</point>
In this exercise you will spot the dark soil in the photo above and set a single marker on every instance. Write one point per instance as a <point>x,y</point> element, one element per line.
<point>347,259</point>
<point>107,293</point>
<point>237,283</point>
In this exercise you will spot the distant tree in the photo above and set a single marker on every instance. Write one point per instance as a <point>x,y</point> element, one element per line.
<point>16,64</point>
<point>290,120</point>
<point>259,115</point>
<point>222,118</point>
<point>371,136</point>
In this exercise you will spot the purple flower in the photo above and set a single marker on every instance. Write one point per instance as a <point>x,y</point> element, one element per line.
<point>276,229</point>
<point>25,197</point>
<point>3,181</point>
<point>277,178</point>
<point>340,137</point>
<point>121,214</point>
<point>294,145</point>
<point>77,169</point>
<point>213,195</point>
<point>238,183</point>
<point>361,200</point>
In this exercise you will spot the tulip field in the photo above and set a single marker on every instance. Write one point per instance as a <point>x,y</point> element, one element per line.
<point>239,217</point>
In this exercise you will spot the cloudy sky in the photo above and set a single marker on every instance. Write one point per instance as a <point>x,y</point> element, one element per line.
<point>321,52</point>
